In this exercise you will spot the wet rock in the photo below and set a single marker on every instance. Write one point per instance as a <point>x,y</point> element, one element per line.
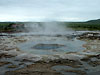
<point>32,73</point>
<point>12,66</point>
<point>35,69</point>
<point>90,35</point>
<point>21,63</point>
<point>94,56</point>
<point>72,56</point>
<point>17,49</point>
<point>24,57</point>
<point>59,35</point>
<point>92,60</point>
<point>98,56</point>
<point>8,48</point>
<point>5,55</point>
<point>94,73</point>
<point>78,72</point>
<point>47,46</point>
<point>85,59</point>
<point>67,62</point>
<point>94,63</point>
<point>89,57</point>
<point>21,40</point>
<point>27,60</point>
<point>4,63</point>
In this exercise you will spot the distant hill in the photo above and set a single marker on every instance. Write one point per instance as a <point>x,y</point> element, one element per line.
<point>94,21</point>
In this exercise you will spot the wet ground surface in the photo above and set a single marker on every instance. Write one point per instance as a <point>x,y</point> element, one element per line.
<point>49,55</point>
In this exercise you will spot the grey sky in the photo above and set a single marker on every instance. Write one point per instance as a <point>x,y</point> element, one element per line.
<point>49,10</point>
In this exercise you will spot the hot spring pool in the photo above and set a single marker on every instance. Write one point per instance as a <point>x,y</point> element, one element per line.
<point>51,45</point>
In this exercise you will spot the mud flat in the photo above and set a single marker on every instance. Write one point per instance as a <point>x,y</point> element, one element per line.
<point>14,60</point>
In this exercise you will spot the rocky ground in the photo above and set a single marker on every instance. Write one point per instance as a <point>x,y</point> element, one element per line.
<point>13,61</point>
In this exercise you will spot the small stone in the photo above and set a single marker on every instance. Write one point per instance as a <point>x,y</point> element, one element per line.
<point>12,66</point>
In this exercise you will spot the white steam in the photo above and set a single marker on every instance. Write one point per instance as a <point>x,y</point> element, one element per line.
<point>47,28</point>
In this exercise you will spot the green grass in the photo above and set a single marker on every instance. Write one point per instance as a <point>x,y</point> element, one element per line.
<point>84,26</point>
<point>4,26</point>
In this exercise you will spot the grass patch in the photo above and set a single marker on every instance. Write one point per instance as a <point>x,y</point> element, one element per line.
<point>84,26</point>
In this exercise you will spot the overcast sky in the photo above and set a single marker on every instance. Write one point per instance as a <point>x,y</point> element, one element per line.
<point>49,10</point>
